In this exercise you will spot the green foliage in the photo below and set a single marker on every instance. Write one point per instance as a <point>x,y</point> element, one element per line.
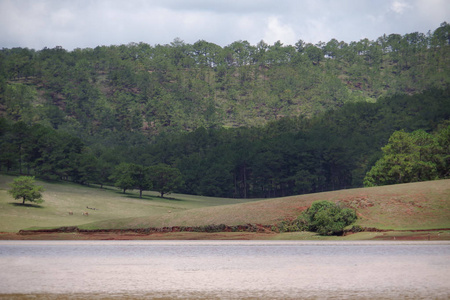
<point>23,187</point>
<point>165,178</point>
<point>123,177</point>
<point>285,157</point>
<point>323,217</point>
<point>18,100</point>
<point>357,228</point>
<point>411,157</point>
<point>141,178</point>
<point>181,87</point>
<point>327,218</point>
<point>299,224</point>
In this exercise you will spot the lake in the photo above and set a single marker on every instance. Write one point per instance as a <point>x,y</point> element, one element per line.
<point>224,269</point>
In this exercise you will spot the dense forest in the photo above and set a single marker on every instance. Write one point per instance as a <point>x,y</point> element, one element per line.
<point>236,121</point>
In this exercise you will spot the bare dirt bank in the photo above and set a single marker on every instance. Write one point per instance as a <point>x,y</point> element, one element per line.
<point>139,236</point>
<point>210,232</point>
<point>250,233</point>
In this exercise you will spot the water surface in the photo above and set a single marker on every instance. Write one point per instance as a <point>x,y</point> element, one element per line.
<point>224,269</point>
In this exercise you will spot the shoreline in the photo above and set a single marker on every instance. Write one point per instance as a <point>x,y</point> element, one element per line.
<point>400,235</point>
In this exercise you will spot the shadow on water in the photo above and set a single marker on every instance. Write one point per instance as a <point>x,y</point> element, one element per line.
<point>25,205</point>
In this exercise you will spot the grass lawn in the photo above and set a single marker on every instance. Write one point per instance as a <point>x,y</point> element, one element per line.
<point>60,198</point>
<point>424,205</point>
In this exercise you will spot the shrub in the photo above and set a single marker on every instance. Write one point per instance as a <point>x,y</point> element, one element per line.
<point>356,228</point>
<point>299,224</point>
<point>327,218</point>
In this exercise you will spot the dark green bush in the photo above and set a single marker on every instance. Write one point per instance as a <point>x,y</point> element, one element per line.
<point>327,218</point>
<point>356,228</point>
<point>323,217</point>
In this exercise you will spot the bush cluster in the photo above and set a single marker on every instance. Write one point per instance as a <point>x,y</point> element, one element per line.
<point>323,217</point>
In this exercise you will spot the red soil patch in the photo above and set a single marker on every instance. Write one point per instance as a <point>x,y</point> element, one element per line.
<point>137,236</point>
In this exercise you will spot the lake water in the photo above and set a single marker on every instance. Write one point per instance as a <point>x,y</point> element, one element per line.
<point>224,270</point>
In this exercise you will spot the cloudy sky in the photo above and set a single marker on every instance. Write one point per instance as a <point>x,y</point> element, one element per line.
<point>88,23</point>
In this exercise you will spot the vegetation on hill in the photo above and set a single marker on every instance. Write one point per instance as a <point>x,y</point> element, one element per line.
<point>239,121</point>
<point>166,88</point>
<point>291,156</point>
<point>66,202</point>
<point>411,157</point>
<point>422,205</point>
<point>410,206</point>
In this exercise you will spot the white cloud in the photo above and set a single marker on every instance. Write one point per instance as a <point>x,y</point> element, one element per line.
<point>276,31</point>
<point>316,30</point>
<point>62,18</point>
<point>433,10</point>
<point>86,23</point>
<point>399,7</point>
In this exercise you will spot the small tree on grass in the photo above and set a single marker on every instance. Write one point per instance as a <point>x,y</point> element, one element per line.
<point>131,176</point>
<point>23,187</point>
<point>165,178</point>
<point>141,179</point>
<point>123,177</point>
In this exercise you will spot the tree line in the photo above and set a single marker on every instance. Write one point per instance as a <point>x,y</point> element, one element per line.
<point>334,150</point>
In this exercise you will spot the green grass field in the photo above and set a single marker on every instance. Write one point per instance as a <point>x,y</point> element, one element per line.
<point>111,204</point>
<point>423,205</point>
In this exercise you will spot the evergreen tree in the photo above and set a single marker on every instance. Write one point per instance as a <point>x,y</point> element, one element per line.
<point>408,157</point>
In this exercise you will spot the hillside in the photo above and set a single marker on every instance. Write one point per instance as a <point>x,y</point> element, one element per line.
<point>241,121</point>
<point>150,89</point>
<point>290,156</point>
<point>423,205</point>
<point>62,198</point>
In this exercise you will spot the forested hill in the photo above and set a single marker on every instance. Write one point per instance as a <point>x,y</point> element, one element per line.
<point>181,87</point>
<point>238,121</point>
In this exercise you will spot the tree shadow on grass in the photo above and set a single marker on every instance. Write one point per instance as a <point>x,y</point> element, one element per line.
<point>25,205</point>
<point>148,197</point>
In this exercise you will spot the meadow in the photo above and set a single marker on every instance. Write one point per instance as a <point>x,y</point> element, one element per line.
<point>412,206</point>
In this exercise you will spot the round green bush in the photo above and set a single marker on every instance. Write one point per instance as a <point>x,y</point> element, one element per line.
<point>328,218</point>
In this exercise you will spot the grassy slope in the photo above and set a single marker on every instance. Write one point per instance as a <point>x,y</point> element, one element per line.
<point>422,205</point>
<point>60,198</point>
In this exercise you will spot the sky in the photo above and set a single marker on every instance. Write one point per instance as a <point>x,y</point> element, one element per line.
<point>74,24</point>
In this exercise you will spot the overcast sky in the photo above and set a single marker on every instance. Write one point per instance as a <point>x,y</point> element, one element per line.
<point>88,23</point>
